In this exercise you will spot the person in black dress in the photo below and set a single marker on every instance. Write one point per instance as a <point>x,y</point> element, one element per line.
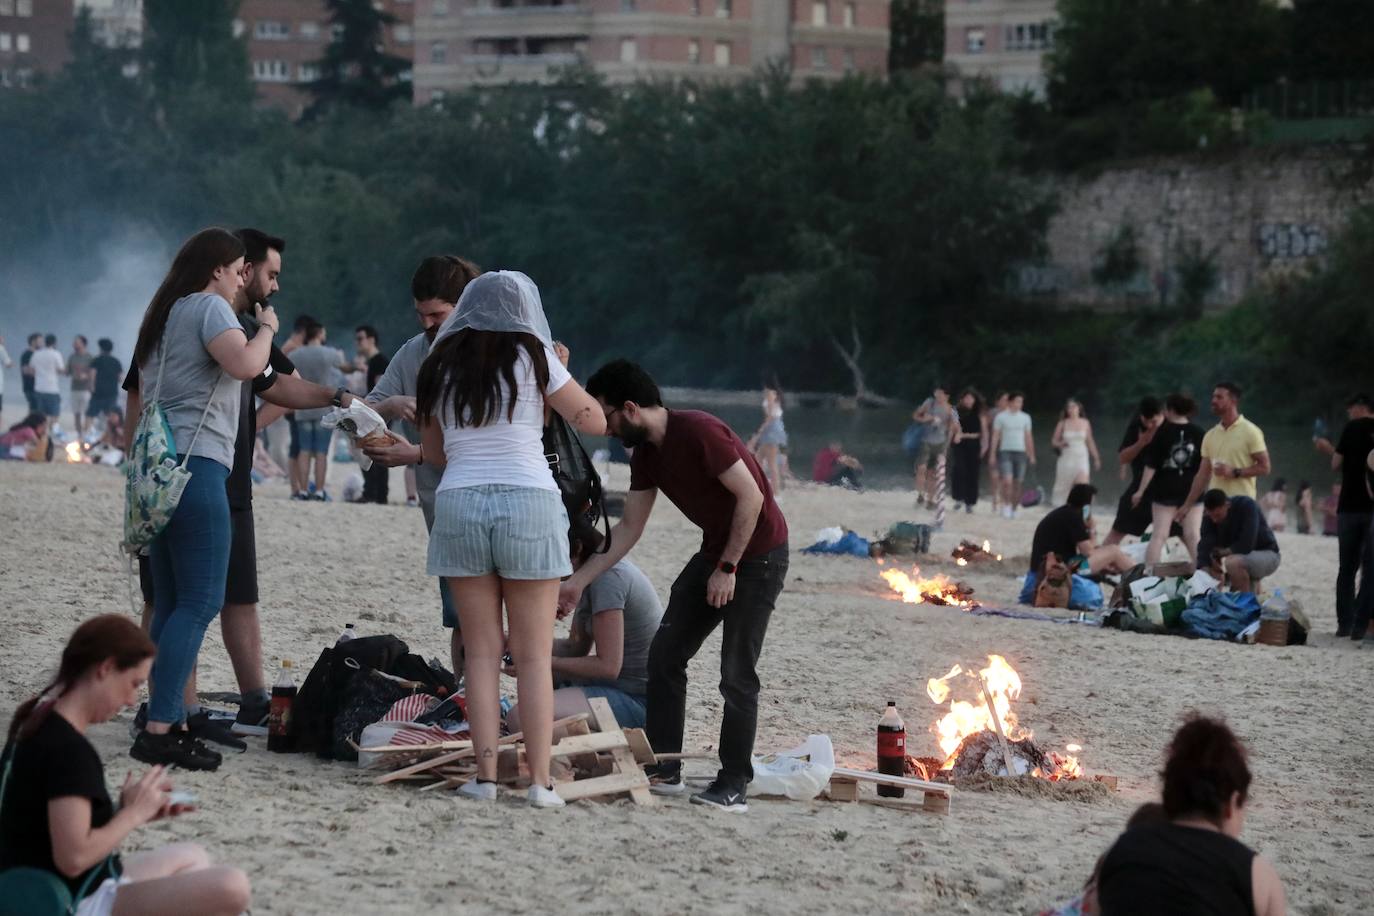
<point>969,449</point>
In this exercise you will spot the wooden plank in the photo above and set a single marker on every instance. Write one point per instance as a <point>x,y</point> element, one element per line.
<point>932,804</point>
<point>424,765</point>
<point>459,745</point>
<point>614,784</point>
<point>1108,781</point>
<point>905,782</point>
<point>639,746</point>
<point>623,759</point>
<point>997,725</point>
<point>687,755</point>
<point>590,744</point>
<point>843,788</point>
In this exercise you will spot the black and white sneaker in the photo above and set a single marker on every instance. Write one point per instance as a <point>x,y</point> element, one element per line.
<point>667,785</point>
<point>204,728</point>
<point>140,721</point>
<point>176,749</point>
<point>719,795</point>
<point>251,721</point>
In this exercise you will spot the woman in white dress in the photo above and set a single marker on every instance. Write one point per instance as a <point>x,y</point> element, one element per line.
<point>1073,438</point>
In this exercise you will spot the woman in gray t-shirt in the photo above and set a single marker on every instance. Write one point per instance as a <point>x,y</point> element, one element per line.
<point>192,353</point>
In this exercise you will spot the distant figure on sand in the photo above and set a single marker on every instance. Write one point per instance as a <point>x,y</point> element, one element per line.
<point>1171,462</point>
<point>1275,505</point>
<point>47,365</point>
<point>837,468</point>
<point>83,380</point>
<point>971,441</point>
<point>1134,517</point>
<point>994,475</point>
<point>771,438</point>
<point>1233,451</point>
<point>26,440</point>
<point>1194,863</point>
<point>1353,511</point>
<point>1236,544</point>
<point>1078,457</point>
<point>316,363</point>
<point>1066,532</point>
<point>1013,451</point>
<point>57,815</point>
<point>936,416</point>
<point>1303,503</point>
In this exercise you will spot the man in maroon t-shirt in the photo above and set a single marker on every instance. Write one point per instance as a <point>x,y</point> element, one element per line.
<point>733,580</point>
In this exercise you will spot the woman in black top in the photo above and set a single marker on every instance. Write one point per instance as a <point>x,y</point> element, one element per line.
<point>56,813</point>
<point>1193,863</point>
<point>970,447</point>
<point>1171,462</point>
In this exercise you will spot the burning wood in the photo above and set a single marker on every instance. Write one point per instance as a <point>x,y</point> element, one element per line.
<point>968,733</point>
<point>73,450</point>
<point>938,590</point>
<point>968,552</point>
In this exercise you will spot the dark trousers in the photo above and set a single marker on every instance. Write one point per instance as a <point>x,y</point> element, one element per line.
<point>1364,602</point>
<point>375,480</point>
<point>686,624</point>
<point>1352,530</point>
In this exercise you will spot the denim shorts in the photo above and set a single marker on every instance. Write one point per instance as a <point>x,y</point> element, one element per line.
<point>1012,465</point>
<point>515,532</point>
<point>313,437</point>
<point>928,455</point>
<point>49,405</point>
<point>629,709</point>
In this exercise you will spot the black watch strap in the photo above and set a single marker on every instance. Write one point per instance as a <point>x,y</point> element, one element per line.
<point>726,567</point>
<point>337,400</point>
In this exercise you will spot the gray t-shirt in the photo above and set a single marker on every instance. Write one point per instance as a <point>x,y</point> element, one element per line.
<point>319,364</point>
<point>623,588</point>
<point>937,427</point>
<point>192,378</point>
<point>1015,428</point>
<point>400,378</point>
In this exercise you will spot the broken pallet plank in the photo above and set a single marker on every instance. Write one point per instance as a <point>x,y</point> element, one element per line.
<point>624,760</point>
<point>905,782</point>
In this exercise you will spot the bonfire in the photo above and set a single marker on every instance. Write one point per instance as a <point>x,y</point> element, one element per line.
<point>984,736</point>
<point>937,590</point>
<point>74,453</point>
<point>968,552</point>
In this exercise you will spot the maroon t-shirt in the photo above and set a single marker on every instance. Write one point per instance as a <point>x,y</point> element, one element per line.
<point>697,448</point>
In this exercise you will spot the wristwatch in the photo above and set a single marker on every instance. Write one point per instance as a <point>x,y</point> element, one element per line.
<point>726,567</point>
<point>1235,472</point>
<point>337,399</point>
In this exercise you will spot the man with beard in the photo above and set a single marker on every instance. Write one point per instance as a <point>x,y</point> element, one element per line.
<point>280,386</point>
<point>732,582</point>
<point>436,286</point>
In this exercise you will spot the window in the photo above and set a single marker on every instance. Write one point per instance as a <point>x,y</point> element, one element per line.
<point>271,30</point>
<point>307,73</point>
<point>336,31</point>
<point>696,7</point>
<point>722,54</point>
<point>438,52</point>
<point>6,43</point>
<point>848,60</point>
<point>693,51</point>
<point>310,31</point>
<point>23,8</point>
<point>4,78</point>
<point>21,43</point>
<point>849,16</point>
<point>23,76</point>
<point>722,9</point>
<point>820,12</point>
<point>403,33</point>
<point>6,9</point>
<point>238,28</point>
<point>1029,36</point>
<point>819,60</point>
<point>627,6</point>
<point>629,50</point>
<point>440,8</point>
<point>974,39</point>
<point>271,71</point>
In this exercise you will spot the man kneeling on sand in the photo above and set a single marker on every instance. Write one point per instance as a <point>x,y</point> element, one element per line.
<point>1236,543</point>
<point>606,653</point>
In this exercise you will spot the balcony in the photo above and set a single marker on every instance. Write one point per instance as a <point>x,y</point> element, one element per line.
<point>502,68</point>
<point>542,19</point>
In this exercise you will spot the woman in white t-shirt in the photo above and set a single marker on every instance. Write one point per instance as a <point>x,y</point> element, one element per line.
<point>500,530</point>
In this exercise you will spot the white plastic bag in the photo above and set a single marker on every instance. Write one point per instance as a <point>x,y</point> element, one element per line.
<point>799,774</point>
<point>1201,583</point>
<point>359,421</point>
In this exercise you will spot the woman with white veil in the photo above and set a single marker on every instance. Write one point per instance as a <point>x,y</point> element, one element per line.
<point>500,530</point>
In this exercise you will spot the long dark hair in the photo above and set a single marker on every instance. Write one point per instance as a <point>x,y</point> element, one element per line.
<point>470,373</point>
<point>1205,767</point>
<point>192,270</point>
<point>107,636</point>
<point>32,421</point>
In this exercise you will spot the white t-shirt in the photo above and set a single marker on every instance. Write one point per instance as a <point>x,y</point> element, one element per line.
<point>47,363</point>
<point>4,365</point>
<point>1014,426</point>
<point>509,452</point>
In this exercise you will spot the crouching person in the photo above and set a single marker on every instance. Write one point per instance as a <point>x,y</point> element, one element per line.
<point>56,814</point>
<point>606,653</point>
<point>1236,544</point>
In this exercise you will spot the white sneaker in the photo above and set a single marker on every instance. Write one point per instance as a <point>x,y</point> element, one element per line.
<point>542,797</point>
<point>478,791</point>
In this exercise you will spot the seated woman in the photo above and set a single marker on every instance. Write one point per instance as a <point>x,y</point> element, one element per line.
<point>607,651</point>
<point>26,440</point>
<point>1193,862</point>
<point>56,813</point>
<point>110,449</point>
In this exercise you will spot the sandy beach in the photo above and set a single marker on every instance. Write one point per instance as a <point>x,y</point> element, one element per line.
<point>319,837</point>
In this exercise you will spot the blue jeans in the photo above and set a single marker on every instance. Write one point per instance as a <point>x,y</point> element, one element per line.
<point>629,709</point>
<point>189,562</point>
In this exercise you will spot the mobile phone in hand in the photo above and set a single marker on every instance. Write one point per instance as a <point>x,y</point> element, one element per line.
<point>183,799</point>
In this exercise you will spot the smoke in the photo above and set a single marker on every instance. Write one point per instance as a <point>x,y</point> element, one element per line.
<point>50,290</point>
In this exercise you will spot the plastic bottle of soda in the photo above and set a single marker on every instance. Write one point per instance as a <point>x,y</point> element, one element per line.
<point>348,633</point>
<point>891,750</point>
<point>279,738</point>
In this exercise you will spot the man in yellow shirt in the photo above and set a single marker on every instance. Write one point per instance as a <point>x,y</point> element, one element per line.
<point>1233,452</point>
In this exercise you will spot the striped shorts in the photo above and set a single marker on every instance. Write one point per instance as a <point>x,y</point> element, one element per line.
<point>515,532</point>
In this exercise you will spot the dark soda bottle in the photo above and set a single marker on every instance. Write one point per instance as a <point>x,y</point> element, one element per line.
<point>279,738</point>
<point>891,750</point>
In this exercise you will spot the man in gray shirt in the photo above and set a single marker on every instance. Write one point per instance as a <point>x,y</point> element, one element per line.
<point>319,364</point>
<point>436,286</point>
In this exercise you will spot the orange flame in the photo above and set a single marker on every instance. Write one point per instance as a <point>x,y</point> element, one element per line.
<point>73,450</point>
<point>938,590</point>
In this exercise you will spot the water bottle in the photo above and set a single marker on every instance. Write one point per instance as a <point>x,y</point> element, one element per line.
<point>347,634</point>
<point>279,739</point>
<point>891,750</point>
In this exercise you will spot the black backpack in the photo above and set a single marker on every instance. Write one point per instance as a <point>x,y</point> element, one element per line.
<point>319,699</point>
<point>578,482</point>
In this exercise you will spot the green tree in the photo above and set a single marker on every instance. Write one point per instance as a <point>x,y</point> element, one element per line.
<point>189,51</point>
<point>356,69</point>
<point>1332,40</point>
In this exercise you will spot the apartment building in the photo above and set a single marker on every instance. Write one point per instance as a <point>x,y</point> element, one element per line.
<point>115,23</point>
<point>286,38</point>
<point>1001,40</point>
<point>461,43</point>
<point>34,38</point>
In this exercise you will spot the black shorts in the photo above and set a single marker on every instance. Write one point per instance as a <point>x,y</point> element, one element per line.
<point>241,585</point>
<point>1130,519</point>
<point>294,448</point>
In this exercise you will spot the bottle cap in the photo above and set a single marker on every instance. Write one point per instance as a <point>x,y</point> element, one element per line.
<point>348,626</point>
<point>891,703</point>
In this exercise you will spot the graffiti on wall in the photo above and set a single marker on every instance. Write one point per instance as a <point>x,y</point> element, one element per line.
<point>1278,241</point>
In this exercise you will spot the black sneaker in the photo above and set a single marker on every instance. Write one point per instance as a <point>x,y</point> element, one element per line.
<point>140,721</point>
<point>203,728</point>
<point>719,795</point>
<point>177,749</point>
<point>252,720</point>
<point>667,785</point>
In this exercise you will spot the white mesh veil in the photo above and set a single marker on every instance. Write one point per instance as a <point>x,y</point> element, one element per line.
<point>499,300</point>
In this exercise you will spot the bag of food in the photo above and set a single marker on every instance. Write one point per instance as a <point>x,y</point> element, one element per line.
<point>799,774</point>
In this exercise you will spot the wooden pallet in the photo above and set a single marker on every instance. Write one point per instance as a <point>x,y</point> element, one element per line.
<point>844,786</point>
